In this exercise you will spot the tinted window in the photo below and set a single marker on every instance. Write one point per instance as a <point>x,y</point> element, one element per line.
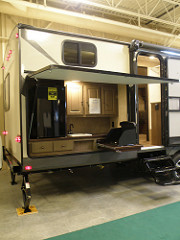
<point>71,53</point>
<point>88,56</point>
<point>79,53</point>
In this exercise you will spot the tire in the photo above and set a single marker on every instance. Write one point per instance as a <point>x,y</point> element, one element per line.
<point>1,154</point>
<point>176,160</point>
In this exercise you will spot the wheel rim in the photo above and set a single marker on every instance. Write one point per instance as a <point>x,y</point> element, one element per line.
<point>178,163</point>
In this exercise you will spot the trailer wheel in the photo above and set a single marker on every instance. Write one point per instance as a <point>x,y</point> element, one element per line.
<point>176,160</point>
<point>1,154</point>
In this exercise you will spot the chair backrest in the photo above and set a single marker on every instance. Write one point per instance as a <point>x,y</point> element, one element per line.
<point>114,135</point>
<point>128,125</point>
<point>123,136</point>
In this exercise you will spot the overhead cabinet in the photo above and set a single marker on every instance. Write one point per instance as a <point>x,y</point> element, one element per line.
<point>109,100</point>
<point>91,100</point>
<point>75,100</point>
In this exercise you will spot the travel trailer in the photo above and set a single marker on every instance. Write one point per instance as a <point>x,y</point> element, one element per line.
<point>73,100</point>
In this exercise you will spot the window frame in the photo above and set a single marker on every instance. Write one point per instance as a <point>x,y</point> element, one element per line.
<point>79,47</point>
<point>156,55</point>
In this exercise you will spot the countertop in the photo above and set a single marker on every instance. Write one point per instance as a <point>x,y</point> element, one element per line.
<point>69,138</point>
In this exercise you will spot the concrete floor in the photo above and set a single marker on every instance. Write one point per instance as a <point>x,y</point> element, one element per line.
<point>67,202</point>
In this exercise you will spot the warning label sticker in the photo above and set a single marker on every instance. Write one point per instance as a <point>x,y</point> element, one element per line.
<point>52,93</point>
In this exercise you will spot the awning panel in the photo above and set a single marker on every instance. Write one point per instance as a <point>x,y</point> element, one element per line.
<point>66,73</point>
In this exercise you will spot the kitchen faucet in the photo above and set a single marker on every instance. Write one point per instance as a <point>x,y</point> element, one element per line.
<point>70,128</point>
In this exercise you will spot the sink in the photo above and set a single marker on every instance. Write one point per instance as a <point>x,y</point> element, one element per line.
<point>80,135</point>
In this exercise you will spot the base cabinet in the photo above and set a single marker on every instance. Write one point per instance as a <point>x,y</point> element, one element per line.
<point>39,148</point>
<point>63,145</point>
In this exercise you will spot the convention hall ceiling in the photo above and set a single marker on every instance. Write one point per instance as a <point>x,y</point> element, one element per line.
<point>153,20</point>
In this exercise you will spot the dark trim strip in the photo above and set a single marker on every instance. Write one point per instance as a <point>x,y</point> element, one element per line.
<point>136,44</point>
<point>24,26</point>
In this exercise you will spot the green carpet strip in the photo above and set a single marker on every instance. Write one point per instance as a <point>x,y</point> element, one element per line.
<point>161,223</point>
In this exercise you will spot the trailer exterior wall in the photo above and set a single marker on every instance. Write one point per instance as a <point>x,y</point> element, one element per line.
<point>39,49</point>
<point>174,101</point>
<point>12,96</point>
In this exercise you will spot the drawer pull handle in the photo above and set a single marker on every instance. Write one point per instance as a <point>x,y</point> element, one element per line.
<point>63,146</point>
<point>42,147</point>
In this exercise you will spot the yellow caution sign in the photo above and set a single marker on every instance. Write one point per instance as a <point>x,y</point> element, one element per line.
<point>52,93</point>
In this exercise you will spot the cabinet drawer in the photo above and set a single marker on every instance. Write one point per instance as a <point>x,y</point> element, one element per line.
<point>63,145</point>
<point>41,147</point>
<point>83,146</point>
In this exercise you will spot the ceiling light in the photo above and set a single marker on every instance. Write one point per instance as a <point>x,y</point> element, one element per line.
<point>152,57</point>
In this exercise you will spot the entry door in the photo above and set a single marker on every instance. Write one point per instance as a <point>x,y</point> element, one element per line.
<point>173,67</point>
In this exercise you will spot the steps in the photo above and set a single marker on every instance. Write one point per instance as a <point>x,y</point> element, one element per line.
<point>163,170</point>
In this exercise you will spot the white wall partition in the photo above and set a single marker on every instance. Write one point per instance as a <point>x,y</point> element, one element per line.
<point>174,98</point>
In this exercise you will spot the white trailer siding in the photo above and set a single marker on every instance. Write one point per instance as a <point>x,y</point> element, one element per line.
<point>39,49</point>
<point>174,98</point>
<point>12,98</point>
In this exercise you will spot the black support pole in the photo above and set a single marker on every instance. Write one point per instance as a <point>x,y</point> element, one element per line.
<point>26,193</point>
<point>132,94</point>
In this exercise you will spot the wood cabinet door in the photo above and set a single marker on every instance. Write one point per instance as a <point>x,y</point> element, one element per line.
<point>109,103</point>
<point>63,145</point>
<point>92,91</point>
<point>74,99</point>
<point>41,147</point>
<point>156,123</point>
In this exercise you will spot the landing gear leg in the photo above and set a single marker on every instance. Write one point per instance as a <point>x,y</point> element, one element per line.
<point>26,192</point>
<point>13,176</point>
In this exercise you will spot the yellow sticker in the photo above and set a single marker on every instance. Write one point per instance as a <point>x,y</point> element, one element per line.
<point>52,93</point>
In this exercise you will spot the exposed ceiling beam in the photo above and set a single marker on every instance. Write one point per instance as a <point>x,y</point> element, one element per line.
<point>172,2</point>
<point>164,13</point>
<point>80,20</point>
<point>19,3</point>
<point>131,13</point>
